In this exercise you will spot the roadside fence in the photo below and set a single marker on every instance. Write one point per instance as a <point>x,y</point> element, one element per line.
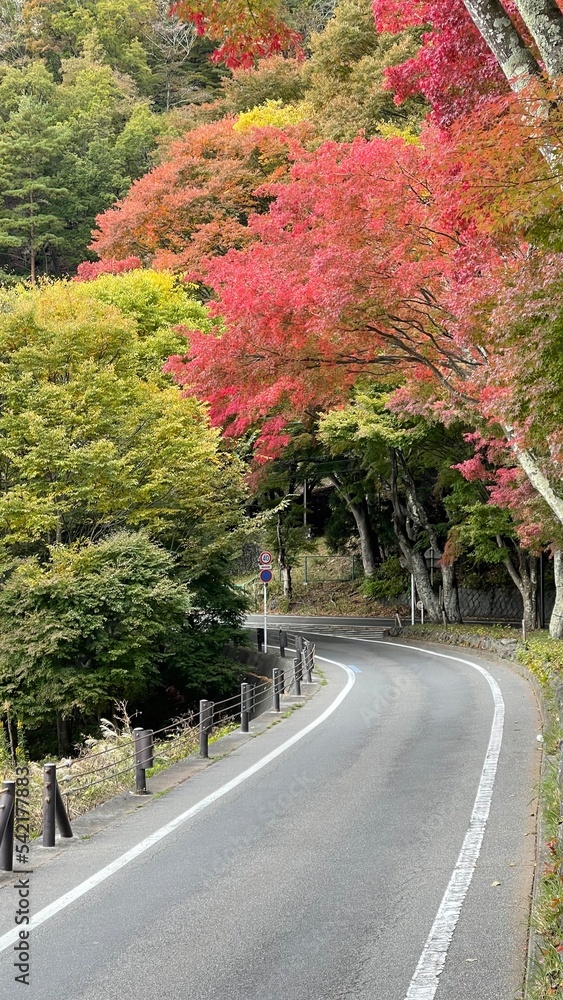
<point>136,754</point>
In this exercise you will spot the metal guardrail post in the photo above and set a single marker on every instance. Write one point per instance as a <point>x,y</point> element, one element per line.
<point>299,643</point>
<point>298,670</point>
<point>7,807</point>
<point>283,643</point>
<point>308,655</point>
<point>143,758</point>
<point>49,804</point>
<point>205,724</point>
<point>244,708</point>
<point>260,639</point>
<point>276,688</point>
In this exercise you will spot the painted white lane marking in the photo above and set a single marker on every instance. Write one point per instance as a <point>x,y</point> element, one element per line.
<point>424,982</point>
<point>8,939</point>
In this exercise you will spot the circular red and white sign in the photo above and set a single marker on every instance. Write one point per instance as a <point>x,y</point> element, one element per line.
<point>265,558</point>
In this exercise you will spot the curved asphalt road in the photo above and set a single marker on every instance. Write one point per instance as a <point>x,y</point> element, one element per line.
<point>320,876</point>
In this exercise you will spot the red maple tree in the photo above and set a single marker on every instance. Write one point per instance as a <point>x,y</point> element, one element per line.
<point>196,204</point>
<point>245,31</point>
<point>351,271</point>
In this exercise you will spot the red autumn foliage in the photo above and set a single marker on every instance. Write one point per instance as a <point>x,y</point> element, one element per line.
<point>508,488</point>
<point>196,204</point>
<point>245,31</point>
<point>380,254</point>
<point>454,69</point>
<point>351,272</point>
<point>89,270</point>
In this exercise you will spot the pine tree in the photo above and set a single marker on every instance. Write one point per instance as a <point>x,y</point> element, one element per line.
<point>30,147</point>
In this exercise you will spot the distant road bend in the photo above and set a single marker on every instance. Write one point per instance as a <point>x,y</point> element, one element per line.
<point>378,845</point>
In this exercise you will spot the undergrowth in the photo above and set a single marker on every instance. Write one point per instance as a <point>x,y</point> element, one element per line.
<point>105,766</point>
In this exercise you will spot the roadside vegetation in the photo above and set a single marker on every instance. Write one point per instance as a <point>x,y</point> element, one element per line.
<point>103,766</point>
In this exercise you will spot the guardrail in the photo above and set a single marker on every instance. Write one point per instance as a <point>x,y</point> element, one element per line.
<point>60,784</point>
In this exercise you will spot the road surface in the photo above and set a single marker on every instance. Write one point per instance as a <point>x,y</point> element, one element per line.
<point>319,875</point>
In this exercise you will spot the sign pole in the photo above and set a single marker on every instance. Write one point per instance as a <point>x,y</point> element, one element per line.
<point>265,561</point>
<point>413,599</point>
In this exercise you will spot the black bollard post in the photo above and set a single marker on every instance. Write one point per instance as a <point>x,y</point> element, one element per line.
<point>276,688</point>
<point>205,724</point>
<point>308,659</point>
<point>49,804</point>
<point>297,668</point>
<point>7,807</point>
<point>140,765</point>
<point>244,708</point>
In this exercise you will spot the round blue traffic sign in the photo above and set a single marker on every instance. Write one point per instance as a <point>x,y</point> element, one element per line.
<point>265,575</point>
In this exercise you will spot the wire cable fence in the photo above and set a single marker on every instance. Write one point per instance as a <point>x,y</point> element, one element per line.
<point>76,785</point>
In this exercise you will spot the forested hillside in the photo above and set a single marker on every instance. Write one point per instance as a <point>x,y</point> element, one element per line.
<point>380,238</point>
<point>353,210</point>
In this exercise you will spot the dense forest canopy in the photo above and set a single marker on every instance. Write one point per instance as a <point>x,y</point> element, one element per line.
<point>304,245</point>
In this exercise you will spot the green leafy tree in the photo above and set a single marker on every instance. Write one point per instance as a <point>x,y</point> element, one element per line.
<point>67,151</point>
<point>107,621</point>
<point>30,148</point>
<point>345,75</point>
<point>94,438</point>
<point>113,488</point>
<point>88,626</point>
<point>409,461</point>
<point>139,38</point>
<point>488,533</point>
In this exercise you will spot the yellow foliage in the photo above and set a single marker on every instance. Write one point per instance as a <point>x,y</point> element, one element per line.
<point>273,114</point>
<point>389,131</point>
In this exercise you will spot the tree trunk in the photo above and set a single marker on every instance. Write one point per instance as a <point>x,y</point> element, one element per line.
<point>498,31</point>
<point>451,595</point>
<point>63,735</point>
<point>525,578</point>
<point>545,23</point>
<point>450,605</point>
<point>413,557</point>
<point>360,512</point>
<point>514,58</point>
<point>539,481</point>
<point>283,562</point>
<point>556,620</point>
<point>32,254</point>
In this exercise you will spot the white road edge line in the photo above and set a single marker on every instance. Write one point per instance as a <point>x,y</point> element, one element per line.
<point>424,982</point>
<point>8,939</point>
